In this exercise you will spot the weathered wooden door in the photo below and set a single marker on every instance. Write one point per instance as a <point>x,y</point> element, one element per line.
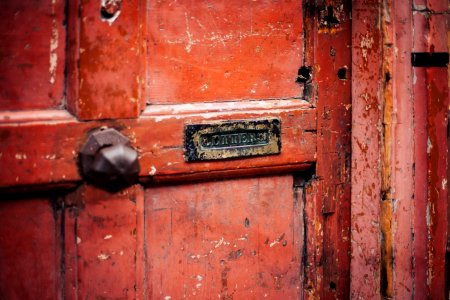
<point>239,113</point>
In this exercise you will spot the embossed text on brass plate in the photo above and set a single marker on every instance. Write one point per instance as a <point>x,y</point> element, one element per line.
<point>230,139</point>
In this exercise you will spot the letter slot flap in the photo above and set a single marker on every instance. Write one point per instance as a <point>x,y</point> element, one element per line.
<point>232,139</point>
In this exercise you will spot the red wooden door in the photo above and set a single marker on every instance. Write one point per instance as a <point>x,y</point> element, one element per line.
<point>240,223</point>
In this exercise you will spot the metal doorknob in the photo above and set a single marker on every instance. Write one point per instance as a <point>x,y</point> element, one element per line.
<point>108,161</point>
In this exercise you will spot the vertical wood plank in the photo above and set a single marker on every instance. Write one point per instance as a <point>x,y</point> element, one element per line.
<point>30,249</point>
<point>226,239</point>
<point>437,178</point>
<point>105,229</point>
<point>32,54</point>
<point>105,68</point>
<point>397,171</point>
<point>431,108</point>
<point>313,269</point>
<point>366,182</point>
<point>332,80</point>
<point>216,51</point>
<point>420,160</point>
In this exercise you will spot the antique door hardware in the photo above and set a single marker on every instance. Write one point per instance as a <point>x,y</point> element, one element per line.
<point>107,159</point>
<point>232,139</point>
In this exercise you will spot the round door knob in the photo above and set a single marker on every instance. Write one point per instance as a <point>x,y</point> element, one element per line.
<point>108,161</point>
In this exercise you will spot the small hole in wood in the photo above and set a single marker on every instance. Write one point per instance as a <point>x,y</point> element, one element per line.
<point>110,10</point>
<point>342,73</point>
<point>303,75</point>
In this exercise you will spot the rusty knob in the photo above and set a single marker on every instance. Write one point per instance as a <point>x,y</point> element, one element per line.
<point>107,160</point>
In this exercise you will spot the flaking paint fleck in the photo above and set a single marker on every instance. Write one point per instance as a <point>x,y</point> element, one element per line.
<point>103,256</point>
<point>366,43</point>
<point>53,46</point>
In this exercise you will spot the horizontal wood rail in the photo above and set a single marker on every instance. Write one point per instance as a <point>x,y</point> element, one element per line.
<point>41,147</point>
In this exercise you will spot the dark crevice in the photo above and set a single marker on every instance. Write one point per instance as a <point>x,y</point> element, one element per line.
<point>303,75</point>
<point>342,73</point>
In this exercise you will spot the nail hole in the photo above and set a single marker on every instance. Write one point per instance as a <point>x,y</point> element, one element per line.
<point>303,75</point>
<point>387,77</point>
<point>342,73</point>
<point>332,285</point>
<point>247,223</point>
<point>332,52</point>
<point>110,10</point>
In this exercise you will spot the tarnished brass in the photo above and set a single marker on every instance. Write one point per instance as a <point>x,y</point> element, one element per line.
<point>231,139</point>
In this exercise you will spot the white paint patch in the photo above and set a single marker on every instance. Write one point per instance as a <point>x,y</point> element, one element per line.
<point>244,238</point>
<point>429,146</point>
<point>190,40</point>
<point>444,184</point>
<point>103,256</point>
<point>274,243</point>
<point>199,277</point>
<point>219,243</point>
<point>113,18</point>
<point>204,87</point>
<point>21,156</point>
<point>53,47</point>
<point>152,171</point>
<point>366,43</point>
<point>107,237</point>
<point>78,240</point>
<point>51,156</point>
<point>167,298</point>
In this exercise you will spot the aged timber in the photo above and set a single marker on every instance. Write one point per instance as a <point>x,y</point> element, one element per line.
<point>222,140</point>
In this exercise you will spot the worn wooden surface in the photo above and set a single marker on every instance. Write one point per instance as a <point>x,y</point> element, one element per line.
<point>366,151</point>
<point>234,239</point>
<point>406,194</point>
<point>195,62</point>
<point>328,54</point>
<point>205,51</point>
<point>32,55</point>
<point>30,249</point>
<point>50,154</point>
<point>101,254</point>
<point>105,70</point>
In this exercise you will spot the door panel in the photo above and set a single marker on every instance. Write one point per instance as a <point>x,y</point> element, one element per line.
<point>227,239</point>
<point>104,66</point>
<point>30,251</point>
<point>32,54</point>
<point>227,228</point>
<point>51,154</point>
<point>223,50</point>
<point>101,254</point>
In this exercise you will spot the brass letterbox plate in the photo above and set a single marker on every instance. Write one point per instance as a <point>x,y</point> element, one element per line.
<point>231,139</point>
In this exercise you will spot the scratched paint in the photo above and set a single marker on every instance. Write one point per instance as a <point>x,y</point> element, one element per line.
<point>32,75</point>
<point>194,237</point>
<point>408,184</point>
<point>230,50</point>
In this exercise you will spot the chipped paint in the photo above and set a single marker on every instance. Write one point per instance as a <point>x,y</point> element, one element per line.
<point>111,10</point>
<point>366,44</point>
<point>20,156</point>
<point>103,256</point>
<point>152,171</point>
<point>53,46</point>
<point>190,41</point>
